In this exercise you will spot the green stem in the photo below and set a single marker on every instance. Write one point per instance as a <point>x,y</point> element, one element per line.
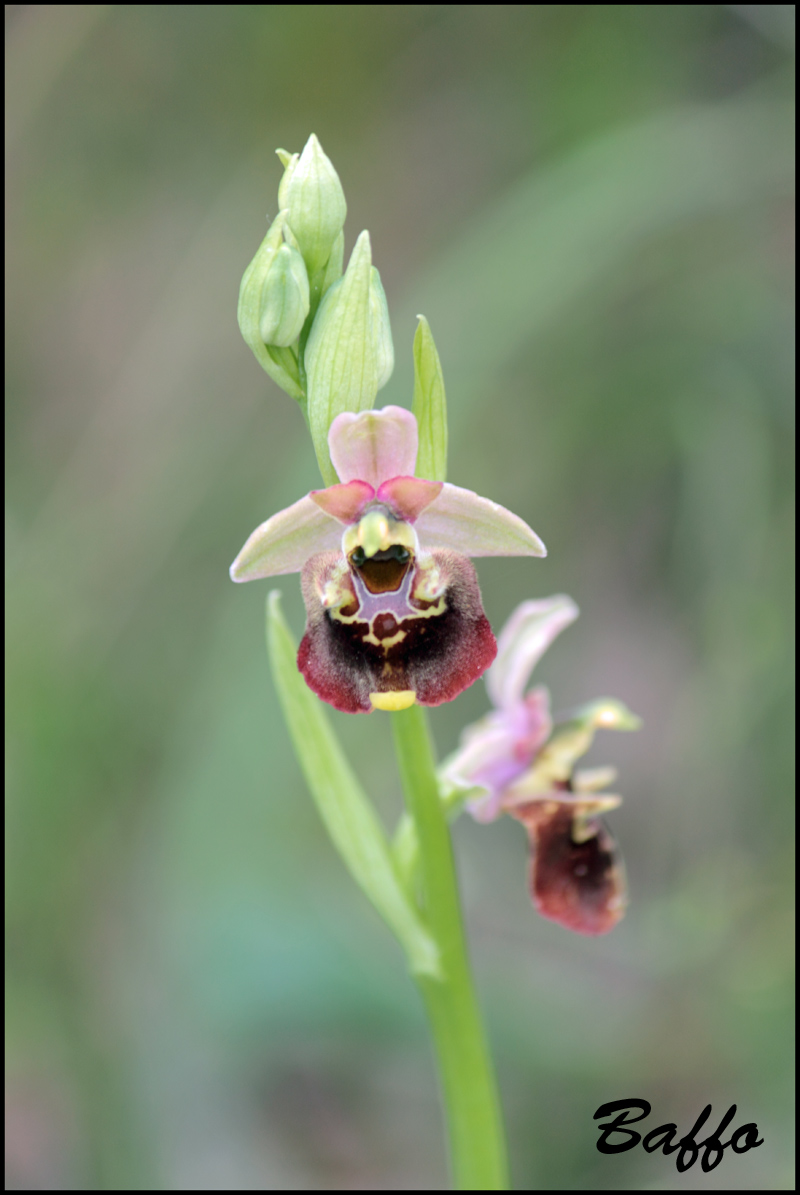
<point>477,1147</point>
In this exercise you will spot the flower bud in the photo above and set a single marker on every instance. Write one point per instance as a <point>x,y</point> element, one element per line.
<point>284,298</point>
<point>340,358</point>
<point>281,366</point>
<point>312,194</point>
<point>381,331</point>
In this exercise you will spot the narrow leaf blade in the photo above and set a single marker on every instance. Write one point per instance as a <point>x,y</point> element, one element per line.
<point>340,800</point>
<point>429,405</point>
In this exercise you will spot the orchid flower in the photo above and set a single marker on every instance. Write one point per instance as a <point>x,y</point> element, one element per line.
<point>394,611</point>
<point>517,761</point>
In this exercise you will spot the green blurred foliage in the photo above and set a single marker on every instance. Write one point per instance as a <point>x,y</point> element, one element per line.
<point>592,207</point>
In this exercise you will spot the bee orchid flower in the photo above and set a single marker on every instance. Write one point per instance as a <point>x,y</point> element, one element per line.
<point>394,611</point>
<point>517,760</point>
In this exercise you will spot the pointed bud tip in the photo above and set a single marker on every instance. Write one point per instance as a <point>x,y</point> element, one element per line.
<point>312,191</point>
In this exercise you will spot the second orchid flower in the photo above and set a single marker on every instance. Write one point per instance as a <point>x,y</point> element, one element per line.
<point>518,760</point>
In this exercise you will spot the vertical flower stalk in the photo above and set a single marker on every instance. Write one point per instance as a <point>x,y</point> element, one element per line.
<point>469,1092</point>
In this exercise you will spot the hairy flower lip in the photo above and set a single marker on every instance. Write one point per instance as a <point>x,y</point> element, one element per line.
<point>577,877</point>
<point>430,636</point>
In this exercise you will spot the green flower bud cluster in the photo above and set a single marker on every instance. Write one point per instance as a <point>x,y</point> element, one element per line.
<point>322,335</point>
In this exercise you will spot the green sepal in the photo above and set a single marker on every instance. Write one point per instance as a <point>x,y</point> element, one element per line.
<point>429,405</point>
<point>276,364</point>
<point>340,358</point>
<point>342,804</point>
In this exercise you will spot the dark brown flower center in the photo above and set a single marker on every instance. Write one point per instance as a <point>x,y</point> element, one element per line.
<point>383,572</point>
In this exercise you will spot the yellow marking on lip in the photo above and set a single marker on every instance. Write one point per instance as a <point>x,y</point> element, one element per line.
<point>397,637</point>
<point>432,611</point>
<point>347,619</point>
<point>401,700</point>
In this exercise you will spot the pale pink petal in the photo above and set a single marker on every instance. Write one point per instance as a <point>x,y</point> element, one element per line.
<point>408,496</point>
<point>483,745</point>
<point>374,445</point>
<point>482,761</point>
<point>286,541</point>
<point>344,502</point>
<point>528,633</point>
<point>497,750</point>
<point>475,526</point>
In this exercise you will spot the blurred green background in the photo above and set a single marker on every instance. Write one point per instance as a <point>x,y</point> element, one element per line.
<point>593,207</point>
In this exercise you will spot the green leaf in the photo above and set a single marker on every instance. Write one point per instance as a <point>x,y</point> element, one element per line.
<point>343,806</point>
<point>429,405</point>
